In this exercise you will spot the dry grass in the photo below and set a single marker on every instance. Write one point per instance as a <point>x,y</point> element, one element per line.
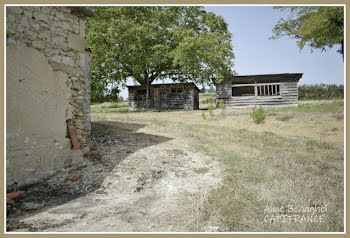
<point>294,158</point>
<point>264,169</point>
<point>206,99</point>
<point>110,107</point>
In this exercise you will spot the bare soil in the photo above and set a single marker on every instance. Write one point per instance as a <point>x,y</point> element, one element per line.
<point>143,180</point>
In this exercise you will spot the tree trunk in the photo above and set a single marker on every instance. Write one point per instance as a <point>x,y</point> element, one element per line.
<point>342,49</point>
<point>147,94</point>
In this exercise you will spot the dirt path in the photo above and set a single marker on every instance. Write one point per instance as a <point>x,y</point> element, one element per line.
<point>144,180</point>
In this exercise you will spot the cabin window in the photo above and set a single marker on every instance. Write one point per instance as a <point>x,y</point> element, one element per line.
<point>179,90</point>
<point>173,90</point>
<point>268,90</point>
<point>239,91</point>
<point>141,91</point>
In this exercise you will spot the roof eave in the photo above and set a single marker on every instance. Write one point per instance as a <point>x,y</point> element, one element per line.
<point>83,11</point>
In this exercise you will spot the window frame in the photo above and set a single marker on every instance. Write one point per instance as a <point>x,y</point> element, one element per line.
<point>179,88</point>
<point>141,91</point>
<point>269,89</point>
<point>243,85</point>
<point>272,89</point>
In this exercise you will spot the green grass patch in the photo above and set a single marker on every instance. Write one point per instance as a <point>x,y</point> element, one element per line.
<point>201,170</point>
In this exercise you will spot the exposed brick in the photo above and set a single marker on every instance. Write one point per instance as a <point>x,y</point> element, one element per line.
<point>73,137</point>
<point>96,152</point>
<point>74,178</point>
<point>14,194</point>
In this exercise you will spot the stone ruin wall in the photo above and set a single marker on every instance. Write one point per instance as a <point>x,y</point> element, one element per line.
<point>59,34</point>
<point>47,88</point>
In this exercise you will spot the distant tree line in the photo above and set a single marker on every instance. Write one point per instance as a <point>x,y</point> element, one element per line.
<point>321,91</point>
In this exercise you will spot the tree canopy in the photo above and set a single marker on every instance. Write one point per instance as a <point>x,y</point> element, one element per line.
<point>318,27</point>
<point>152,43</point>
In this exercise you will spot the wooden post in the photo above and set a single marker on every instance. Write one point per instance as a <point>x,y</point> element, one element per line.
<point>256,93</point>
<point>276,92</point>
<point>264,86</point>
<point>272,89</point>
<point>147,94</point>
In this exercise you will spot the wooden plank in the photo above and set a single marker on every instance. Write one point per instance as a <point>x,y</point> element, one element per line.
<point>268,83</point>
<point>251,98</point>
<point>261,103</point>
<point>242,85</point>
<point>276,100</point>
<point>251,106</point>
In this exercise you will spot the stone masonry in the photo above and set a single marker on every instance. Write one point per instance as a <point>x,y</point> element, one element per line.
<point>47,89</point>
<point>59,33</point>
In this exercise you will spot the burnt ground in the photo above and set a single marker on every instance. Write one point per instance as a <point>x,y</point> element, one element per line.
<point>143,180</point>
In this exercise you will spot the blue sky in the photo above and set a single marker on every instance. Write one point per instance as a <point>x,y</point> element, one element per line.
<point>251,28</point>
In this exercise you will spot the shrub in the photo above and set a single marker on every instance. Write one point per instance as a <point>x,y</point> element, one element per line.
<point>258,115</point>
<point>211,108</point>
<point>222,106</point>
<point>203,115</point>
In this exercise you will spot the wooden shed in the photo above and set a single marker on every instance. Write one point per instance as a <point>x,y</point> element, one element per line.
<point>165,96</point>
<point>256,90</point>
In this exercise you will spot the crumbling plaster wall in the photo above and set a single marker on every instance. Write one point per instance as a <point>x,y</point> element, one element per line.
<point>47,86</point>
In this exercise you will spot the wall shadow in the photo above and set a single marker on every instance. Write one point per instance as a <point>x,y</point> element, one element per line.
<point>116,141</point>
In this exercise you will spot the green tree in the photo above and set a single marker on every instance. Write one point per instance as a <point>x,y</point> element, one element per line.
<point>318,27</point>
<point>155,43</point>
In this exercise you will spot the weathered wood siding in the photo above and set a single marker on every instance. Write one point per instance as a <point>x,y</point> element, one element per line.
<point>165,97</point>
<point>289,92</point>
<point>288,96</point>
